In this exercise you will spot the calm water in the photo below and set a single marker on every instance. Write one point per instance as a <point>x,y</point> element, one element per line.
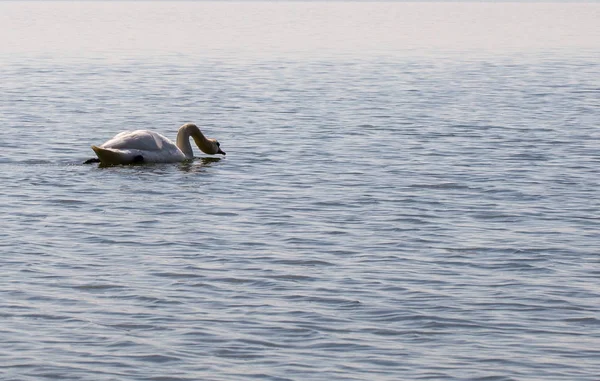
<point>411,191</point>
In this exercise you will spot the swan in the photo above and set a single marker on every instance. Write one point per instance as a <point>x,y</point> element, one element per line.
<point>143,146</point>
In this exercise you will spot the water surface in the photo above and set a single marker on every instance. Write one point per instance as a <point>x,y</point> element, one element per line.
<point>410,192</point>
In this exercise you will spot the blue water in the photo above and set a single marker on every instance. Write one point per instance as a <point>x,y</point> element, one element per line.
<point>410,192</point>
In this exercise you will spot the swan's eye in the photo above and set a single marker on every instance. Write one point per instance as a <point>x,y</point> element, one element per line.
<point>218,144</point>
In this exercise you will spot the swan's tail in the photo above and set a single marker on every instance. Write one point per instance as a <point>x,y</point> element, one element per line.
<point>108,156</point>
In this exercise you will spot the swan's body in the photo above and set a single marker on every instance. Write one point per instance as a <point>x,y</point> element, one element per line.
<point>143,146</point>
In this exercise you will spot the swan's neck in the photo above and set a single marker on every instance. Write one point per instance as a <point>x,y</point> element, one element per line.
<point>183,140</point>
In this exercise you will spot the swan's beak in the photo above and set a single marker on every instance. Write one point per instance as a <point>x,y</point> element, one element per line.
<point>221,152</point>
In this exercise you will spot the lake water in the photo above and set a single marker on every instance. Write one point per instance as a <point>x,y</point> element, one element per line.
<point>411,192</point>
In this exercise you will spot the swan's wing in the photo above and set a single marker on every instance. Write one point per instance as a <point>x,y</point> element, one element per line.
<point>121,134</point>
<point>142,140</point>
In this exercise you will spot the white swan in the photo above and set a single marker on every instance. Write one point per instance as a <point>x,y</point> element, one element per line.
<point>143,146</point>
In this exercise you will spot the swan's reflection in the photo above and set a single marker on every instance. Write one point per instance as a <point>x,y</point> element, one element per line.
<point>198,164</point>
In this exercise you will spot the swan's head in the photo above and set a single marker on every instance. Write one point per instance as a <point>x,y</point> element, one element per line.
<point>216,147</point>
